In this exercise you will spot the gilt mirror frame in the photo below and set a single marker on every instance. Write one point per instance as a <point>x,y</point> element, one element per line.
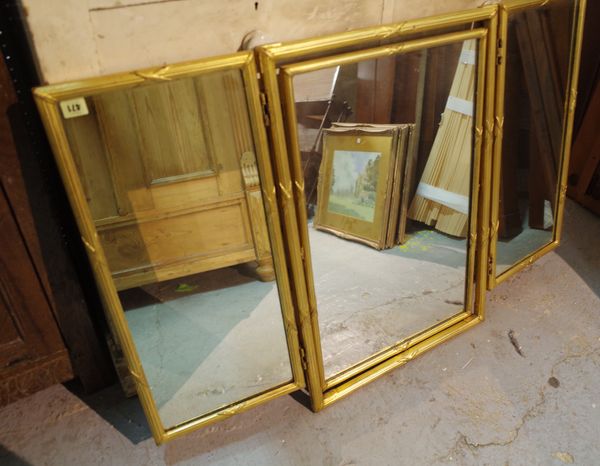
<point>278,64</point>
<point>506,9</point>
<point>48,99</point>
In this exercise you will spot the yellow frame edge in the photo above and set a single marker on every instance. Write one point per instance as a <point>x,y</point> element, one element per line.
<point>506,8</point>
<point>47,98</point>
<point>270,57</point>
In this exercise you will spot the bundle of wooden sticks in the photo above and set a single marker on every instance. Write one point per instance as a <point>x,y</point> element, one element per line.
<point>442,199</point>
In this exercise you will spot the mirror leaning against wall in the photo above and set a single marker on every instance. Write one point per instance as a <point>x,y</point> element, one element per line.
<point>166,171</point>
<point>537,77</point>
<point>385,156</point>
<point>388,201</point>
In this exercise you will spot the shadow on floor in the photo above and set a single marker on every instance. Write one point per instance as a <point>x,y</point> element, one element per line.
<point>580,245</point>
<point>8,458</point>
<point>176,331</point>
<point>111,404</point>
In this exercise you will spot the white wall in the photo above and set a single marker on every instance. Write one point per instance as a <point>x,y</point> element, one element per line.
<point>81,38</point>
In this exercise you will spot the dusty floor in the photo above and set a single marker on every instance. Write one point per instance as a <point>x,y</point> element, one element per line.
<point>510,251</point>
<point>369,300</point>
<point>206,350</point>
<point>220,338</point>
<point>474,400</point>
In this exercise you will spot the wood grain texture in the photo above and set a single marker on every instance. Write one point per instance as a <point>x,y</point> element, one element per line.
<point>28,329</point>
<point>41,210</point>
<point>148,247</point>
<point>34,376</point>
<point>115,114</point>
<point>170,131</point>
<point>161,167</point>
<point>90,156</point>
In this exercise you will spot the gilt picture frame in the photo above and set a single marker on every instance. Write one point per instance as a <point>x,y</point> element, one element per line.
<point>355,183</point>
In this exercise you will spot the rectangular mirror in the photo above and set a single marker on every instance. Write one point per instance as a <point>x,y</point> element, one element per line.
<point>535,87</point>
<point>169,179</point>
<point>385,155</point>
<point>371,293</point>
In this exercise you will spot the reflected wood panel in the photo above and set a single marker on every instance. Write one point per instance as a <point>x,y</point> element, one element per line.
<point>150,164</point>
<point>204,335</point>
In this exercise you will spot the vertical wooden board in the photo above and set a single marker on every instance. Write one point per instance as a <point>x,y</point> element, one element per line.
<point>397,181</point>
<point>90,157</point>
<point>211,90</point>
<point>408,180</point>
<point>579,172</point>
<point>151,104</point>
<point>509,216</point>
<point>31,331</point>
<point>559,18</point>
<point>384,89</point>
<point>545,63</point>
<point>375,90</point>
<point>365,91</point>
<point>536,99</point>
<point>170,131</point>
<point>405,98</point>
<point>238,108</point>
<point>436,87</point>
<point>116,121</point>
<point>188,128</point>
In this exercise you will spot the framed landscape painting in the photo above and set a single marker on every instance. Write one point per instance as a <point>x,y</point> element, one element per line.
<point>355,183</point>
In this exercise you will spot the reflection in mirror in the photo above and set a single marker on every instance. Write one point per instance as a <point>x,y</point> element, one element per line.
<point>537,65</point>
<point>386,153</point>
<point>170,174</point>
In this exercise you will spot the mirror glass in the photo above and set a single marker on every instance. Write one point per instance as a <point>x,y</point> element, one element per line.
<point>386,158</point>
<point>169,170</point>
<point>537,67</point>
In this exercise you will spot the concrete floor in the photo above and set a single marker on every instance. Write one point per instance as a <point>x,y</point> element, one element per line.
<point>513,250</point>
<point>369,300</point>
<point>211,339</point>
<point>474,400</point>
<point>205,350</point>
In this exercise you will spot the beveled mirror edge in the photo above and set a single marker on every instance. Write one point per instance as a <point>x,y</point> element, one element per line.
<point>270,57</point>
<point>507,7</point>
<point>47,99</point>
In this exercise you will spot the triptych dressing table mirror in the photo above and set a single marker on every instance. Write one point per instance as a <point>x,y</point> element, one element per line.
<point>310,215</point>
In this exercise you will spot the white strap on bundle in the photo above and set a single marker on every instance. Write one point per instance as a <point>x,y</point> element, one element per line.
<point>467,57</point>
<point>460,105</point>
<point>449,199</point>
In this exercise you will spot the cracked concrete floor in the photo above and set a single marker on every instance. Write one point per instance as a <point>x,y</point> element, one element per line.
<point>474,400</point>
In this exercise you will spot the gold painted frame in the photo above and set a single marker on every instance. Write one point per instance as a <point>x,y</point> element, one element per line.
<point>48,100</point>
<point>506,8</point>
<point>278,63</point>
<point>372,233</point>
